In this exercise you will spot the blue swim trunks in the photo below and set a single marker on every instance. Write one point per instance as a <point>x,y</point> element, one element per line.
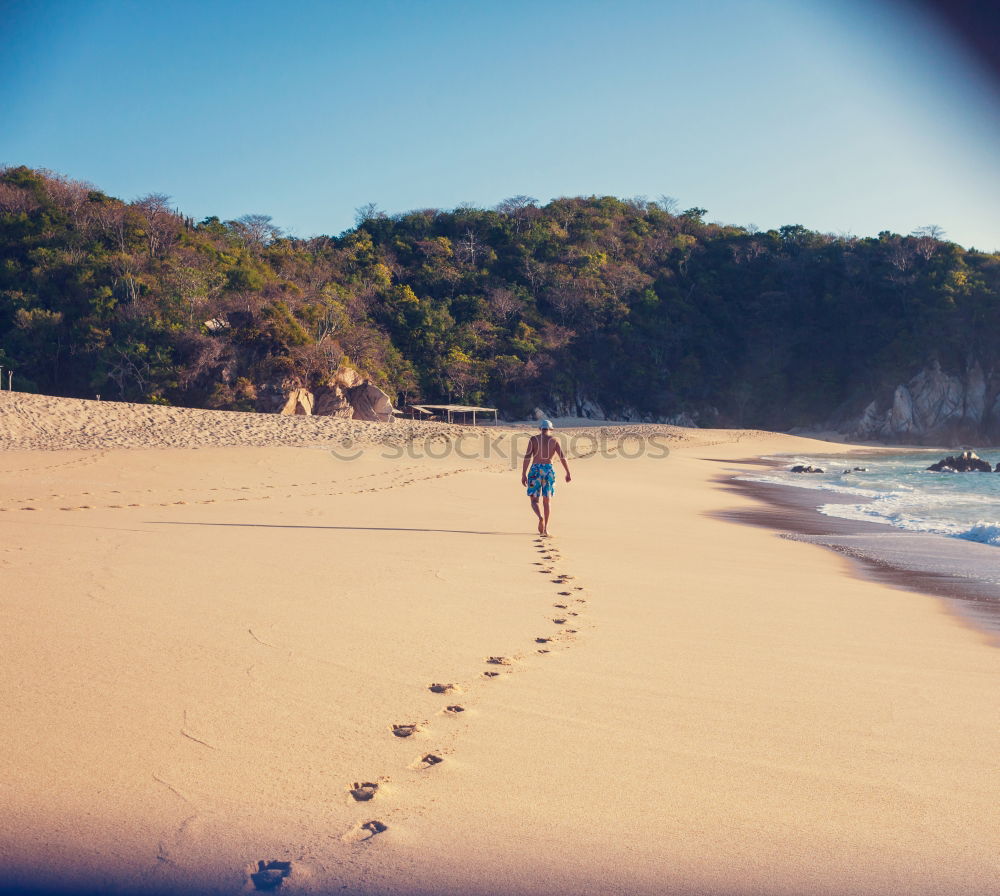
<point>541,481</point>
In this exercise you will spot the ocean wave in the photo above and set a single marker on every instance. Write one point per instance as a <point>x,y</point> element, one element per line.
<point>887,510</point>
<point>810,481</point>
<point>888,513</point>
<point>893,492</point>
<point>983,532</point>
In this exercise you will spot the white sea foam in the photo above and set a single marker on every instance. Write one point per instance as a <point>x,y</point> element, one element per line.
<point>983,532</point>
<point>897,491</point>
<point>812,481</point>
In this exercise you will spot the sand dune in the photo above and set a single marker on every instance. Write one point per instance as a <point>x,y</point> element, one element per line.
<point>372,669</point>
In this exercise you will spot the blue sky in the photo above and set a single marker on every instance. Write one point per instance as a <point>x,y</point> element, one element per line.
<point>846,117</point>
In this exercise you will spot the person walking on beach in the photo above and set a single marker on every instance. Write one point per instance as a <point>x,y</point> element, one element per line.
<point>540,479</point>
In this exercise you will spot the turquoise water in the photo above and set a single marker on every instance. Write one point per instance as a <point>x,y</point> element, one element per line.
<point>896,490</point>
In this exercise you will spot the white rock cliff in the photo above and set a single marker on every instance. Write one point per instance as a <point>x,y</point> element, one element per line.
<point>934,406</point>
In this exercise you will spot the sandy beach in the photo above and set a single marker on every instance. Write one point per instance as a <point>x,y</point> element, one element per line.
<point>234,638</point>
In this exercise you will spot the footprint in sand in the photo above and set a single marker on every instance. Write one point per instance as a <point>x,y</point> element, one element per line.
<point>364,791</point>
<point>366,831</point>
<point>454,709</point>
<point>565,593</point>
<point>428,761</point>
<point>499,661</point>
<point>490,674</point>
<point>559,621</point>
<point>437,688</point>
<point>404,730</point>
<point>559,606</point>
<point>542,640</point>
<point>544,650</point>
<point>270,875</point>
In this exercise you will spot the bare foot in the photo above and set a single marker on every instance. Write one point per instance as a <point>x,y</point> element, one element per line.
<point>541,528</point>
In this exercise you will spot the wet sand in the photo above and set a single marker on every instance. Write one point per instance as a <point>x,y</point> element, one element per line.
<point>880,553</point>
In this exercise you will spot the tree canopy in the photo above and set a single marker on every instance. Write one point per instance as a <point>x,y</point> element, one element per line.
<point>624,302</point>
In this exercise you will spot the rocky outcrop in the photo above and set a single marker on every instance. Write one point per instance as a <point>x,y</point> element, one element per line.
<point>299,402</point>
<point>933,407</point>
<point>273,395</point>
<point>333,403</point>
<point>333,394</point>
<point>800,468</point>
<point>966,462</point>
<point>370,403</point>
<point>350,395</point>
<point>345,393</point>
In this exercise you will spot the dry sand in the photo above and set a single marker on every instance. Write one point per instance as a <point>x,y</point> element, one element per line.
<point>212,624</point>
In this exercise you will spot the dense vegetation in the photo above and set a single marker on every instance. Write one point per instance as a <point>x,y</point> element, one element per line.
<point>627,303</point>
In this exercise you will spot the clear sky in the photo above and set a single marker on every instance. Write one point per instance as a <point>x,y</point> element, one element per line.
<point>841,115</point>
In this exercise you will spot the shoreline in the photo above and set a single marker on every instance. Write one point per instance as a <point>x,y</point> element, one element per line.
<point>793,513</point>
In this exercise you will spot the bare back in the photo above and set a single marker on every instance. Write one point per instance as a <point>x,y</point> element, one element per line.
<point>543,449</point>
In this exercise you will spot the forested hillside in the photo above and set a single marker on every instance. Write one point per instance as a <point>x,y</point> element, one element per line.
<point>629,305</point>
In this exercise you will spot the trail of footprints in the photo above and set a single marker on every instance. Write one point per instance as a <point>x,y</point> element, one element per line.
<point>402,477</point>
<point>569,604</point>
<point>230,494</point>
